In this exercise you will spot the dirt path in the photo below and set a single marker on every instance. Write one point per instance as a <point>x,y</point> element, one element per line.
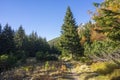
<point>70,74</point>
<point>73,75</point>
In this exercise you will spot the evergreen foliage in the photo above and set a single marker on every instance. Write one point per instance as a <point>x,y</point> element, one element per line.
<point>69,39</point>
<point>0,29</point>
<point>20,38</point>
<point>7,40</point>
<point>16,47</point>
<point>99,48</point>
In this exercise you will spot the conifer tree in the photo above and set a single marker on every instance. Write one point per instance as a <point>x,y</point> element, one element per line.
<point>7,40</point>
<point>70,41</point>
<point>34,45</point>
<point>20,38</point>
<point>0,28</point>
<point>0,38</point>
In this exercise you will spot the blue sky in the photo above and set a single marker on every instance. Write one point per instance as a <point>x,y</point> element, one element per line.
<point>43,16</point>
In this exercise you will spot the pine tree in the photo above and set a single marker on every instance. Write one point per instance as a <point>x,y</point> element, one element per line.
<point>70,41</point>
<point>20,38</point>
<point>7,40</point>
<point>33,44</point>
<point>0,38</point>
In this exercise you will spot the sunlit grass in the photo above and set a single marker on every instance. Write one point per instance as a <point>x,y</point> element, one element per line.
<point>106,70</point>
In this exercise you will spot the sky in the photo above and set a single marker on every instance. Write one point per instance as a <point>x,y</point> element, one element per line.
<point>43,16</point>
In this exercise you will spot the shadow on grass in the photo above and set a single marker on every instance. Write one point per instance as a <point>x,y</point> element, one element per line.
<point>68,75</point>
<point>65,76</point>
<point>91,75</point>
<point>116,78</point>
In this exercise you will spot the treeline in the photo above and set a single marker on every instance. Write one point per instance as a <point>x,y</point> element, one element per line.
<point>16,46</point>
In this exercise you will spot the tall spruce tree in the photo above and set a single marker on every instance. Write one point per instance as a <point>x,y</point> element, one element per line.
<point>21,43</point>
<point>70,41</point>
<point>0,38</point>
<point>33,44</point>
<point>7,40</point>
<point>20,38</point>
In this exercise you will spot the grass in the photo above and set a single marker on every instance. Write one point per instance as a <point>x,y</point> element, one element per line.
<point>56,69</point>
<point>106,70</point>
<point>104,67</point>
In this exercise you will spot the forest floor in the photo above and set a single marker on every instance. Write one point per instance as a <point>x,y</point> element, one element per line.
<point>51,70</point>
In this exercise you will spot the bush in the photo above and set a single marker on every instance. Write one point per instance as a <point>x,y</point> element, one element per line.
<point>21,55</point>
<point>84,59</point>
<point>40,56</point>
<point>45,56</point>
<point>51,58</point>
<point>7,62</point>
<point>8,58</point>
<point>12,60</point>
<point>99,47</point>
<point>3,58</point>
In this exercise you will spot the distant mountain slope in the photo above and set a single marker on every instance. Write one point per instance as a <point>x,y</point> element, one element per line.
<point>53,41</point>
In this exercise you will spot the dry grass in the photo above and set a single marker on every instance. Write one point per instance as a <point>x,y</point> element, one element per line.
<point>39,71</point>
<point>54,70</point>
